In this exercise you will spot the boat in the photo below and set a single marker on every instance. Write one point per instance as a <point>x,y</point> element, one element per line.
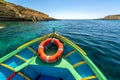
<point>45,59</point>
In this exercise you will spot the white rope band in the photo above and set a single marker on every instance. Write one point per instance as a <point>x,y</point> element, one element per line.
<point>52,40</point>
<point>47,58</point>
<point>61,49</point>
<point>41,47</point>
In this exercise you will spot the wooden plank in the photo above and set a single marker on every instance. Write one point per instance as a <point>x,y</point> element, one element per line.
<point>26,77</point>
<point>20,58</point>
<point>89,78</point>
<point>32,50</point>
<point>79,63</point>
<point>6,66</point>
<point>68,54</point>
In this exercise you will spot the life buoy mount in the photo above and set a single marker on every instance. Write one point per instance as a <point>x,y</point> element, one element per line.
<point>56,56</point>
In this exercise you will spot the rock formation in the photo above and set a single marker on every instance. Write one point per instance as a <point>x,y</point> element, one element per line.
<point>112,17</point>
<point>9,11</point>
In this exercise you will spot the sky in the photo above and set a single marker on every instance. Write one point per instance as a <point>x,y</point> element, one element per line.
<point>73,9</point>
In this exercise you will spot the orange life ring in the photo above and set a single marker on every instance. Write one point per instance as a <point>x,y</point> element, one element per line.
<point>56,56</point>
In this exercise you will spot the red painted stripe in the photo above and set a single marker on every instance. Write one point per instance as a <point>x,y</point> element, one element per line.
<point>11,76</point>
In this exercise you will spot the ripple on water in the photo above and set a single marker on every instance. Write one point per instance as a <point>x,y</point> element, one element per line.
<point>99,38</point>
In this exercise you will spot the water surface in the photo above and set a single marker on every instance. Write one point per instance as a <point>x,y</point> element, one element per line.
<point>99,38</point>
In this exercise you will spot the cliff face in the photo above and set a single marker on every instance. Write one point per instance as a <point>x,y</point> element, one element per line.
<point>112,17</point>
<point>9,11</point>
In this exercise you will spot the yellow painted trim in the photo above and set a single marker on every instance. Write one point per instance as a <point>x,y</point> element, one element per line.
<point>71,52</point>
<point>88,78</point>
<point>20,58</point>
<point>79,63</point>
<point>34,41</point>
<point>32,50</point>
<point>27,78</point>
<point>24,45</point>
<point>70,42</point>
<point>6,66</point>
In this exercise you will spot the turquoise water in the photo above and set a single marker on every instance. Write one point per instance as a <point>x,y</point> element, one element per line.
<point>99,38</point>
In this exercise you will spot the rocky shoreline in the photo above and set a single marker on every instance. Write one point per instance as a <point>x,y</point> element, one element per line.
<point>12,12</point>
<point>112,17</point>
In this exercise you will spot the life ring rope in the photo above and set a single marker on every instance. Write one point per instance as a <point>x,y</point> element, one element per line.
<point>41,46</point>
<point>56,56</point>
<point>60,49</point>
<point>47,58</point>
<point>52,40</point>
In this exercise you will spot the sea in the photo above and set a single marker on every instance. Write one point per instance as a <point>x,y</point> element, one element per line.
<point>100,39</point>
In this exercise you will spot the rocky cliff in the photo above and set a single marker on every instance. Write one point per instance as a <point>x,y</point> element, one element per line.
<point>9,11</point>
<point>112,17</point>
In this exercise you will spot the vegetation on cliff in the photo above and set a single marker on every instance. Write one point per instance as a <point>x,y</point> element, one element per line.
<point>10,11</point>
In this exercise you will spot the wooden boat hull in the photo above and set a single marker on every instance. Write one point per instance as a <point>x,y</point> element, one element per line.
<point>25,64</point>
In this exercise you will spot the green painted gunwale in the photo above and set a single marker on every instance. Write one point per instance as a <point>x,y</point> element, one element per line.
<point>63,63</point>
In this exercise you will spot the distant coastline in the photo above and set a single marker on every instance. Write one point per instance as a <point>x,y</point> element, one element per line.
<point>112,17</point>
<point>12,12</point>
